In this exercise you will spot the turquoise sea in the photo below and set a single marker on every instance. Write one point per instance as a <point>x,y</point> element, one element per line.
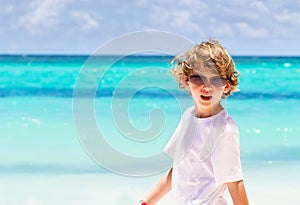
<point>39,133</point>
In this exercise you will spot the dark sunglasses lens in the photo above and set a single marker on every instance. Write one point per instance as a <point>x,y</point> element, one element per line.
<point>218,81</point>
<point>197,80</point>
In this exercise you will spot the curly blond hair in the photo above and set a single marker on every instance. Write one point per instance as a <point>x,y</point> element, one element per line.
<point>209,55</point>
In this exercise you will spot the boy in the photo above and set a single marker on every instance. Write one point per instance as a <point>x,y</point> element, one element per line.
<point>205,145</point>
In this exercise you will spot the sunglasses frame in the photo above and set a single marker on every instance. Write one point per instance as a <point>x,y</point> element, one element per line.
<point>204,80</point>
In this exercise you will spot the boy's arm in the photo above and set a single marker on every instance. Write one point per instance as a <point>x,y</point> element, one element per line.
<point>238,193</point>
<point>161,189</point>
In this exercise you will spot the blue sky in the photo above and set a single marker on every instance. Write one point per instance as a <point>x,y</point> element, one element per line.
<point>244,27</point>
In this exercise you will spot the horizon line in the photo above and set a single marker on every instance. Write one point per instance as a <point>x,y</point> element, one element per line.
<point>145,54</point>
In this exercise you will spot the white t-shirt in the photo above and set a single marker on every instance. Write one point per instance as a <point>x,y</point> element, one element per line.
<point>206,155</point>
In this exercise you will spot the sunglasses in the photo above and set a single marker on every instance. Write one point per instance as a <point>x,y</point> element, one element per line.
<point>215,81</point>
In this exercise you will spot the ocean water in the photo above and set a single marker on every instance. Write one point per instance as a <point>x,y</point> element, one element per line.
<point>136,106</point>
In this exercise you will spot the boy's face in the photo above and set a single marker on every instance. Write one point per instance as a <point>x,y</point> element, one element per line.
<point>207,88</point>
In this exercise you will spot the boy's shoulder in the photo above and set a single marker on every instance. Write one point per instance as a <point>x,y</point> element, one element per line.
<point>189,112</point>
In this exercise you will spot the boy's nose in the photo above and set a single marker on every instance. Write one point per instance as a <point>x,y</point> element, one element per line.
<point>207,83</point>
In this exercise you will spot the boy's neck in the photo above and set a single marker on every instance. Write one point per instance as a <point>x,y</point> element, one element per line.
<point>204,113</point>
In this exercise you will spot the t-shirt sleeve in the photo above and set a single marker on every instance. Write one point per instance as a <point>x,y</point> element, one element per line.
<point>182,139</point>
<point>171,147</point>
<point>226,157</point>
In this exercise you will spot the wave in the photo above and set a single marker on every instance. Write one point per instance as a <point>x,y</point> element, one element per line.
<point>267,155</point>
<point>50,168</point>
<point>86,93</point>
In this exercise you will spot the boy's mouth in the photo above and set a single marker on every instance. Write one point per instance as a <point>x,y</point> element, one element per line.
<point>205,97</point>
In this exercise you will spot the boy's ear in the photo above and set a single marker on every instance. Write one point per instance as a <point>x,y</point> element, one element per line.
<point>227,87</point>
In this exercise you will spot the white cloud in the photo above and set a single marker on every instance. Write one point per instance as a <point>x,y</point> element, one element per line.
<point>42,14</point>
<point>197,6</point>
<point>221,29</point>
<point>85,20</point>
<point>180,18</point>
<point>142,3</point>
<point>260,7</point>
<point>249,31</point>
<point>183,17</point>
<point>288,17</point>
<point>238,13</point>
<point>9,9</point>
<point>235,20</point>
